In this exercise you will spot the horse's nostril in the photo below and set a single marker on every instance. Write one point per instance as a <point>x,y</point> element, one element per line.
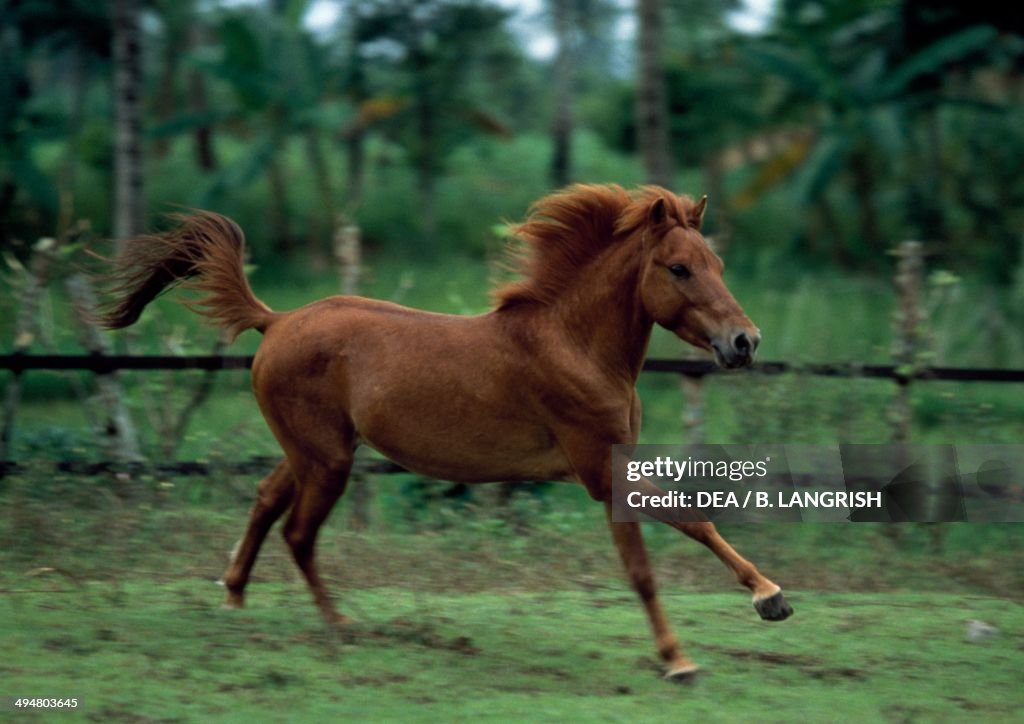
<point>742,344</point>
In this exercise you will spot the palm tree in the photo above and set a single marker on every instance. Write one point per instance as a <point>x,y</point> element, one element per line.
<point>281,81</point>
<point>129,202</point>
<point>849,80</point>
<point>652,127</point>
<point>436,43</point>
<point>564,72</point>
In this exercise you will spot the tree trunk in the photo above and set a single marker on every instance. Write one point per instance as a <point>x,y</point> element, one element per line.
<point>279,222</point>
<point>561,130</point>
<point>69,166</point>
<point>652,129</point>
<point>718,201</point>
<point>934,227</point>
<point>26,324</point>
<point>7,193</point>
<point>355,155</point>
<point>325,190</point>
<point>426,170</point>
<point>824,224</point>
<point>167,101</point>
<point>118,432</point>
<point>864,188</point>
<point>206,156</point>
<point>128,179</point>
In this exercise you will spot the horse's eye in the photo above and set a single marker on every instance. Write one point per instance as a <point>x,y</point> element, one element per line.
<point>680,271</point>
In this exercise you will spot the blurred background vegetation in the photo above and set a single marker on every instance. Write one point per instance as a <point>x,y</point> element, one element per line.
<point>825,132</point>
<point>822,130</point>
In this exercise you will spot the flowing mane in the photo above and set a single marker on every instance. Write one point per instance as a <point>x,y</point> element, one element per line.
<point>566,230</point>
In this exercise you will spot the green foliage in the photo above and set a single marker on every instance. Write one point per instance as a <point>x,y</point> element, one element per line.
<point>863,122</point>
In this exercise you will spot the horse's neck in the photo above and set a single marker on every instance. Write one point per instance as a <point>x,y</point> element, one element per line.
<point>604,315</point>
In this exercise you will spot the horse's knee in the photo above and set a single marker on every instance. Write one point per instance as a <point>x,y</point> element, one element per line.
<point>298,537</point>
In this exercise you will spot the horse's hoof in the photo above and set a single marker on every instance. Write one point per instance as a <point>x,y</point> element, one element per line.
<point>773,608</point>
<point>682,673</point>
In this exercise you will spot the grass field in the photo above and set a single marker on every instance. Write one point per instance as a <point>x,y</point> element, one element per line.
<point>108,593</point>
<point>161,650</point>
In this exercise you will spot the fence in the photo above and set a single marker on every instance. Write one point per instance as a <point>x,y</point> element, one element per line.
<point>105,364</point>
<point>907,368</point>
<point>100,364</point>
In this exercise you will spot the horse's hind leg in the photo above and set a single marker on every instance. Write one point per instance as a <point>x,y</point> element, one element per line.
<point>319,487</point>
<point>272,500</point>
<point>629,540</point>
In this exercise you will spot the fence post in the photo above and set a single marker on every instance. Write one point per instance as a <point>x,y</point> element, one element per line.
<point>25,328</point>
<point>121,437</point>
<point>693,414</point>
<point>910,343</point>
<point>348,256</point>
<point>908,332</point>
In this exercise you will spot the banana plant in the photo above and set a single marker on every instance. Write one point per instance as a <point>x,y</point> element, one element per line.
<point>861,102</point>
<point>281,85</point>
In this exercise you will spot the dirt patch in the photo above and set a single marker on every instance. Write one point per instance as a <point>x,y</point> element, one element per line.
<point>767,657</point>
<point>835,673</point>
<point>548,671</point>
<point>412,632</point>
<point>67,644</point>
<point>810,665</point>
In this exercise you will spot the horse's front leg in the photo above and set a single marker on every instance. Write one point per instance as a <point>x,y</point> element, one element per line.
<point>768,599</point>
<point>769,602</point>
<point>593,465</point>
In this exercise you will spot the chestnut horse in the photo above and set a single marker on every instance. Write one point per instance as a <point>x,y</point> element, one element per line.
<point>538,388</point>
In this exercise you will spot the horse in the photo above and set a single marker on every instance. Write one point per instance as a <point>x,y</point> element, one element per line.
<point>538,388</point>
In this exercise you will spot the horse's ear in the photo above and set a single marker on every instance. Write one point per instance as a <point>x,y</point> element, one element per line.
<point>657,214</point>
<point>697,215</point>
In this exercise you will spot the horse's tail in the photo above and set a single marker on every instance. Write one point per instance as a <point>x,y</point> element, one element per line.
<point>208,250</point>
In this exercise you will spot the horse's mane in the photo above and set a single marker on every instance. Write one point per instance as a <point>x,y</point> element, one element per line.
<point>566,230</point>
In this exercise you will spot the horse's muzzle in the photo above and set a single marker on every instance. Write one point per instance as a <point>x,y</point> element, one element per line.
<point>735,349</point>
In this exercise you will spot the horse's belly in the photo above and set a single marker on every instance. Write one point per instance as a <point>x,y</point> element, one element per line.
<point>482,451</point>
<point>463,469</point>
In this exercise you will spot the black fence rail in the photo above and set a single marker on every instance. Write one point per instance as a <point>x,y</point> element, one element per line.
<point>256,465</point>
<point>105,364</point>
<point>18,363</point>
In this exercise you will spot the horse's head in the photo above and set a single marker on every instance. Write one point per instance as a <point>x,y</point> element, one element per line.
<point>681,284</point>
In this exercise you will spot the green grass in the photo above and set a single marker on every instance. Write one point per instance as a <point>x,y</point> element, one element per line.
<point>107,592</point>
<point>161,650</point>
